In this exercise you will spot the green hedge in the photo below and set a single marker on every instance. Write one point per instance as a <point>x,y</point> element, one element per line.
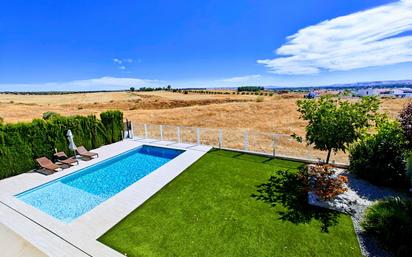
<point>22,143</point>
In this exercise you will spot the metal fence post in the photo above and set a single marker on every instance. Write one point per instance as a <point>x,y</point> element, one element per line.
<point>274,145</point>
<point>220,138</point>
<point>246,140</point>
<point>178,134</point>
<point>310,153</point>
<point>198,136</point>
<point>161,132</point>
<point>145,130</point>
<point>131,130</point>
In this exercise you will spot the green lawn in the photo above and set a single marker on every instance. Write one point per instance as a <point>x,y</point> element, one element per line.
<point>209,211</point>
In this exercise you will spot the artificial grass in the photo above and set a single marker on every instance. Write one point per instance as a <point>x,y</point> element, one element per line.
<point>209,211</point>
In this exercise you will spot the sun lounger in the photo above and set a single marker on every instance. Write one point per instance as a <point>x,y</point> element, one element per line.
<point>48,165</point>
<point>61,157</point>
<point>84,153</point>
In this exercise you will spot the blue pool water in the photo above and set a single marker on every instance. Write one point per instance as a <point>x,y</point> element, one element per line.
<point>71,196</point>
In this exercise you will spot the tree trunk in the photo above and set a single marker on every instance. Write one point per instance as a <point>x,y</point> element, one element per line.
<point>327,158</point>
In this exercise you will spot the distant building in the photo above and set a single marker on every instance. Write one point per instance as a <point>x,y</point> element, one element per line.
<point>402,92</point>
<point>367,92</point>
<point>311,95</point>
<point>385,92</point>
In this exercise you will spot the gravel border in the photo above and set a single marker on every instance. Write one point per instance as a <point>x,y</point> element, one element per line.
<point>359,196</point>
<point>371,193</point>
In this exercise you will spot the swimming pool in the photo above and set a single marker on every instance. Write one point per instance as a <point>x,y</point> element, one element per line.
<point>71,196</point>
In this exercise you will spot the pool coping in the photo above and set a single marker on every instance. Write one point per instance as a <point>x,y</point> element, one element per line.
<point>81,234</point>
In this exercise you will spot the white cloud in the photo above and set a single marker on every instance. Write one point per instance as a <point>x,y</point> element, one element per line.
<point>117,61</point>
<point>364,39</point>
<point>103,83</point>
<point>247,78</point>
<point>121,63</point>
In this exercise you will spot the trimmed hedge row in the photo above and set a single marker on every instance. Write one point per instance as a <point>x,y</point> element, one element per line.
<point>22,143</point>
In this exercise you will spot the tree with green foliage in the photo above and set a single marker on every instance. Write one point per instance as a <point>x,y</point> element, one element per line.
<point>250,89</point>
<point>132,89</point>
<point>334,123</point>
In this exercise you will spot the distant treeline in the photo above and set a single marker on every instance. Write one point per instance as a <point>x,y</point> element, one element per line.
<point>148,89</point>
<point>210,92</point>
<point>249,89</point>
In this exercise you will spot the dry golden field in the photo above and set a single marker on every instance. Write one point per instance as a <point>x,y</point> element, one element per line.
<point>275,114</point>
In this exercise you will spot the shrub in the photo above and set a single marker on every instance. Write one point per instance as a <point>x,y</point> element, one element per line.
<point>1,120</point>
<point>405,118</point>
<point>259,99</point>
<point>380,158</point>
<point>49,115</point>
<point>321,179</point>
<point>390,222</point>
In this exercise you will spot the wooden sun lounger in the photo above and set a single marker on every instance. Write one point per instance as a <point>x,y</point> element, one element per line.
<point>84,153</point>
<point>62,158</point>
<point>46,164</point>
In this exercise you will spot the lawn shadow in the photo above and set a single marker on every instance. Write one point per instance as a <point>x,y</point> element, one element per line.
<point>286,189</point>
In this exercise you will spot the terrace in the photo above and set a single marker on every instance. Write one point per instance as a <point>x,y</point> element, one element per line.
<point>207,210</point>
<point>161,190</point>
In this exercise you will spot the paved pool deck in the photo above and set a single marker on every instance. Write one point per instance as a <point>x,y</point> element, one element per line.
<point>79,237</point>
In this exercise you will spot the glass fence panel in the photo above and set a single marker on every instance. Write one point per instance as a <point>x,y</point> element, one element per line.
<point>233,138</point>
<point>138,130</point>
<point>188,135</point>
<point>261,142</point>
<point>209,136</point>
<point>153,131</point>
<point>170,133</point>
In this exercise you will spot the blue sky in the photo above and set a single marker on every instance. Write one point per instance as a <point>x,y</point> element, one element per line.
<point>91,45</point>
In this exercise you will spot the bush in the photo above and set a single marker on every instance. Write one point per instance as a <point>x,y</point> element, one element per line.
<point>380,158</point>
<point>21,143</point>
<point>259,99</point>
<point>405,118</point>
<point>49,115</point>
<point>322,180</point>
<point>390,222</point>
<point>1,120</point>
